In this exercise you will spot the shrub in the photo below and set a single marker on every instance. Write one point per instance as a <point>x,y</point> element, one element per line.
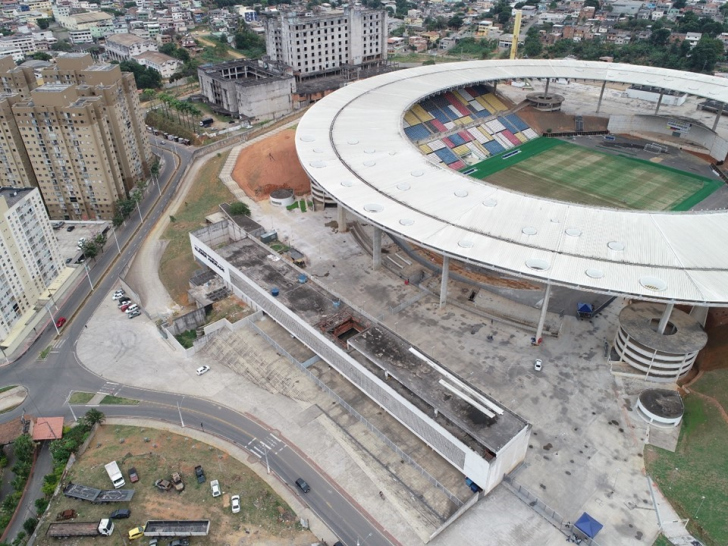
<point>41,505</point>
<point>239,209</point>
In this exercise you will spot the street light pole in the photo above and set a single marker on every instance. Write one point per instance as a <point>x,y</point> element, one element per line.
<point>53,320</point>
<point>141,220</point>
<point>702,499</point>
<point>88,276</point>
<point>117,241</point>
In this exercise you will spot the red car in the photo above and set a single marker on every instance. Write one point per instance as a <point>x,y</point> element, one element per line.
<point>125,306</point>
<point>60,322</point>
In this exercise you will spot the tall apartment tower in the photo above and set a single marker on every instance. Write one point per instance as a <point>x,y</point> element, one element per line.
<point>29,255</point>
<point>83,134</point>
<point>16,170</point>
<point>319,44</point>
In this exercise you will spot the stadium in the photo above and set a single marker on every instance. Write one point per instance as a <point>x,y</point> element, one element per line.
<point>434,157</point>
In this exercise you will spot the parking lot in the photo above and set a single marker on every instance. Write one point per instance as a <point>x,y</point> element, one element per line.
<point>68,240</point>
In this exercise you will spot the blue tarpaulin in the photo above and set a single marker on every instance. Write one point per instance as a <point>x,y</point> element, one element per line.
<point>584,307</point>
<point>588,525</point>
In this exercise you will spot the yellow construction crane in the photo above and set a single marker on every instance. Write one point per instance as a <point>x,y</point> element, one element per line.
<point>516,34</point>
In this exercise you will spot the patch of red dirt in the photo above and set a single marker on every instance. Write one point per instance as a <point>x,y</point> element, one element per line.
<point>271,164</point>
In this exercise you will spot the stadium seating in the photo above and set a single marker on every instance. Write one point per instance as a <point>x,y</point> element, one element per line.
<point>463,108</point>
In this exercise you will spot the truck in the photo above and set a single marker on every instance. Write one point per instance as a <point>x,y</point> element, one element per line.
<point>177,481</point>
<point>177,528</point>
<point>112,469</point>
<point>207,122</point>
<point>105,528</point>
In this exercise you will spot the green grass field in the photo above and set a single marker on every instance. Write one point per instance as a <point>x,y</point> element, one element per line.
<point>548,167</point>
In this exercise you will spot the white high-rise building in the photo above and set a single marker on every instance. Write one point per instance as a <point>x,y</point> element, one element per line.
<point>326,43</point>
<point>30,259</point>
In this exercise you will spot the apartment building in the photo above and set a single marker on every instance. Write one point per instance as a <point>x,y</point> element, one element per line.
<point>318,44</point>
<point>29,255</point>
<point>82,132</point>
<point>122,47</point>
<point>164,64</point>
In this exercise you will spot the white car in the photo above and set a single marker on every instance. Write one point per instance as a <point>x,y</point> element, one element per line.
<point>215,485</point>
<point>118,295</point>
<point>81,242</point>
<point>235,503</point>
<point>538,365</point>
<point>133,307</point>
<point>200,371</point>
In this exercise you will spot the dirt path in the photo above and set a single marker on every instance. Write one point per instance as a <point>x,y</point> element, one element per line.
<point>233,53</point>
<point>143,275</point>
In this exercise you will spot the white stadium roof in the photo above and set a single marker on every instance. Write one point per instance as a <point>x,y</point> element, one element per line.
<point>353,144</point>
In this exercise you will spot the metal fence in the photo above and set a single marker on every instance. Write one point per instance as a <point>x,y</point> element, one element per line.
<point>547,513</point>
<point>357,415</point>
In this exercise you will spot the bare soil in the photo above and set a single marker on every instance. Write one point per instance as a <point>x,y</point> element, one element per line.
<point>269,165</point>
<point>559,122</point>
<point>265,519</point>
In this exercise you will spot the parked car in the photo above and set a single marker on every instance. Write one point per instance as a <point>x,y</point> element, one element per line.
<point>68,260</point>
<point>133,307</point>
<point>200,474</point>
<point>134,313</point>
<point>235,503</point>
<point>121,513</point>
<point>215,485</point>
<point>302,485</point>
<point>122,300</point>
<point>137,532</point>
<point>70,228</point>
<point>60,322</point>
<point>58,225</point>
<point>117,295</point>
<point>125,306</point>
<point>538,365</point>
<point>203,369</point>
<point>133,476</point>
<point>81,242</point>
<point>180,542</point>
<point>163,485</point>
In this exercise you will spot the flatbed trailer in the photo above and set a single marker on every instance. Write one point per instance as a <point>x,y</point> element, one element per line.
<point>177,528</point>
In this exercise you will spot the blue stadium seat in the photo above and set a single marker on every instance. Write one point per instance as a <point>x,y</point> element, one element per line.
<point>457,140</point>
<point>417,132</point>
<point>517,122</point>
<point>494,147</point>
<point>446,155</point>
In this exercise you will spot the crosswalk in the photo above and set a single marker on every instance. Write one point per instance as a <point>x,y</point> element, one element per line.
<point>58,344</point>
<point>110,388</point>
<point>270,444</point>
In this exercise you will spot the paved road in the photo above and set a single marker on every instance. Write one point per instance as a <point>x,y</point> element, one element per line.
<point>50,382</point>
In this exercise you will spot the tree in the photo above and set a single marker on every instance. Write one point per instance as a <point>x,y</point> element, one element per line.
<point>239,209</point>
<point>44,23</point>
<point>144,76</point>
<point>92,417</point>
<point>30,524</point>
<point>532,45</point>
<point>456,21</point>
<point>23,447</point>
<point>705,54</point>
<point>62,45</point>
<point>660,36</point>
<point>168,49</point>
<point>41,56</point>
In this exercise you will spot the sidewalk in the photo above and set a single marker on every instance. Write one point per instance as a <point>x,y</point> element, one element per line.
<point>672,526</point>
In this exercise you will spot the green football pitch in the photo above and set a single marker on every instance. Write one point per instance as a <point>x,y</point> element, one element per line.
<point>552,168</point>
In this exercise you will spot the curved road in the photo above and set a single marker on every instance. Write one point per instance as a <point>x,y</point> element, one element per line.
<point>50,381</point>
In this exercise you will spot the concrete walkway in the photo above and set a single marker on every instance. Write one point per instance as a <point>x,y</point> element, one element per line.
<point>43,466</point>
<point>12,398</point>
<point>672,526</point>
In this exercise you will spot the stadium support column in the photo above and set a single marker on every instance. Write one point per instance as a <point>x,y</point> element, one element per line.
<point>700,313</point>
<point>659,101</point>
<point>601,96</point>
<point>546,90</point>
<point>342,219</point>
<point>542,316</point>
<point>718,114</point>
<point>377,248</point>
<point>665,318</point>
<point>443,282</point>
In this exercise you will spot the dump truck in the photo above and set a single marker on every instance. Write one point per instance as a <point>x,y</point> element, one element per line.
<point>176,528</point>
<point>112,469</point>
<point>105,527</point>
